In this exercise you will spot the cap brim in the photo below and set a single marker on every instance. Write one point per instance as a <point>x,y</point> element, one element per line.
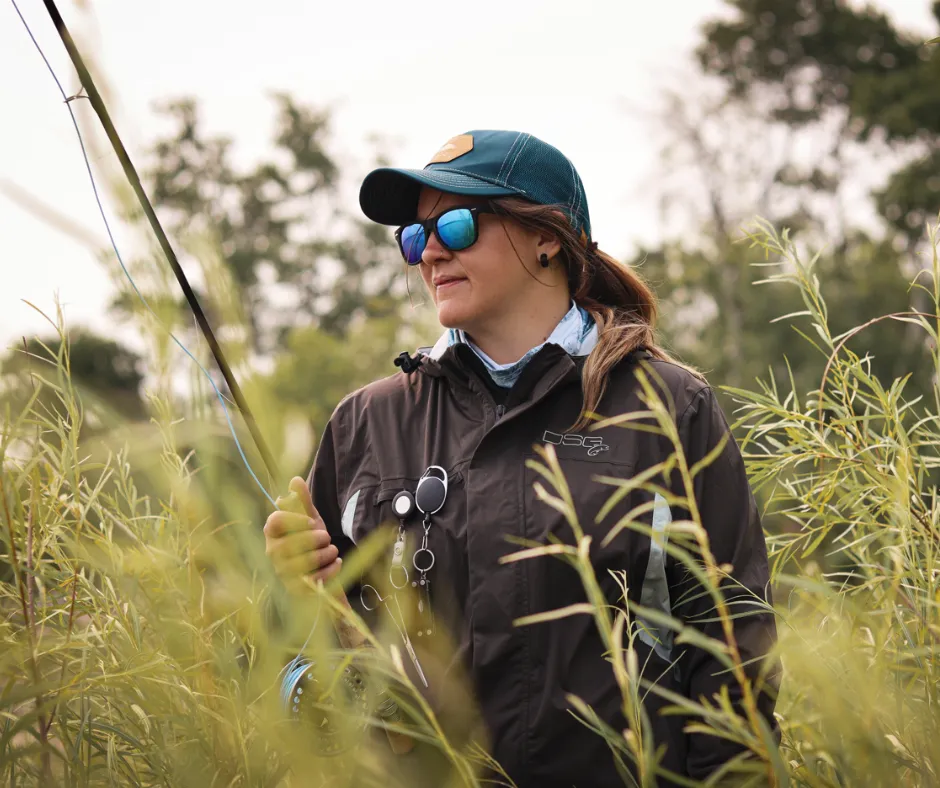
<point>390,195</point>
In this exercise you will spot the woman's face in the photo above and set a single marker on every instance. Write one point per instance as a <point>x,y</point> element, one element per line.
<point>498,275</point>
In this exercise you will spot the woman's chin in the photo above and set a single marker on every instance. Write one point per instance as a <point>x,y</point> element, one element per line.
<point>452,315</point>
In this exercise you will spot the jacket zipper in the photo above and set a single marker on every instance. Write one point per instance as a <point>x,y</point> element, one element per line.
<point>501,409</point>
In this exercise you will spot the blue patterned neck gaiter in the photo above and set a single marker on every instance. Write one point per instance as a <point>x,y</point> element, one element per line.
<point>576,334</point>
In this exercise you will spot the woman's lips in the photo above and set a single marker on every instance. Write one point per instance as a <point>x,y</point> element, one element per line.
<point>449,283</point>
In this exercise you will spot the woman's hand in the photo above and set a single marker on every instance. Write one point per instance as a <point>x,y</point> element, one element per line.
<point>298,544</point>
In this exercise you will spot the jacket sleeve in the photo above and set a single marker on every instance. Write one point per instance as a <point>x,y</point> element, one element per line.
<point>326,489</point>
<point>731,520</point>
<point>323,481</point>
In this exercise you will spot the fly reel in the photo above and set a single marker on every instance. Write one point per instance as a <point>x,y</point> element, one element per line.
<point>303,698</point>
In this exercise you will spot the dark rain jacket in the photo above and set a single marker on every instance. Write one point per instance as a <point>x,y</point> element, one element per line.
<point>381,439</point>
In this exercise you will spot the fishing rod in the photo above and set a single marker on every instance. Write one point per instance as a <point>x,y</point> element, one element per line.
<point>130,172</point>
<point>348,636</point>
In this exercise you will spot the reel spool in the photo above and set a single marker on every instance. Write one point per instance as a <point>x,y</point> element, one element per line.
<point>302,699</point>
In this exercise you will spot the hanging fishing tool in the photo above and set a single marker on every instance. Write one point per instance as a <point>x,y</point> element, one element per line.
<point>429,499</point>
<point>403,504</point>
<point>370,598</point>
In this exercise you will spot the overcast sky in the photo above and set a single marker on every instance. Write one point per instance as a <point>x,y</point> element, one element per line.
<point>581,75</point>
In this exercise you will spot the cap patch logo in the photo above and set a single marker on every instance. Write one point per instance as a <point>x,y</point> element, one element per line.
<point>454,147</point>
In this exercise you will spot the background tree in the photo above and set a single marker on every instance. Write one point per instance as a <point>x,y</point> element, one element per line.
<point>295,259</point>
<point>322,294</point>
<point>106,375</point>
<point>813,59</point>
<point>783,123</point>
<point>270,256</point>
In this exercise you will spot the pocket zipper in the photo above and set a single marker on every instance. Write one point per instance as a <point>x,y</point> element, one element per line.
<point>454,477</point>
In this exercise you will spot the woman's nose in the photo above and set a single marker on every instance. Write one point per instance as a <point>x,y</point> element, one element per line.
<point>433,251</point>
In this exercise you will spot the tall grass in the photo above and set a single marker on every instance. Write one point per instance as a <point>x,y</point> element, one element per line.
<point>851,468</point>
<point>142,634</point>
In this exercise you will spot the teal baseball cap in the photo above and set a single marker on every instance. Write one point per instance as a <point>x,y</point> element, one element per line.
<point>482,163</point>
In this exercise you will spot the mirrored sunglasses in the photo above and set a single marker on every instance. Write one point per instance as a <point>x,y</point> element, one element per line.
<point>456,229</point>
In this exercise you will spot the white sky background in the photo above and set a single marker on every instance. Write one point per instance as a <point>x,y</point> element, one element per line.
<point>581,75</point>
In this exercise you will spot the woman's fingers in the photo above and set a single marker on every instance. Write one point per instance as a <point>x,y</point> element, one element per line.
<point>327,572</point>
<point>281,523</point>
<point>297,543</point>
<point>307,562</point>
<point>298,546</point>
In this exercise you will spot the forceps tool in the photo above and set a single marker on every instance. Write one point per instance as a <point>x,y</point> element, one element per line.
<point>371,598</point>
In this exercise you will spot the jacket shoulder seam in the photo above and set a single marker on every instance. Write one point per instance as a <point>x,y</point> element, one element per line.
<point>703,386</point>
<point>699,394</point>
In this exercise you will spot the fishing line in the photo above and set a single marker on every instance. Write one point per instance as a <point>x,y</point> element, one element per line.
<point>127,273</point>
<point>292,673</point>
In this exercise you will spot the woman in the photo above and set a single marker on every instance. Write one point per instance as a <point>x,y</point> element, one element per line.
<point>541,328</point>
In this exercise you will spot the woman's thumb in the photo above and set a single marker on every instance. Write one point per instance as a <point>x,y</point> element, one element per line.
<point>299,487</point>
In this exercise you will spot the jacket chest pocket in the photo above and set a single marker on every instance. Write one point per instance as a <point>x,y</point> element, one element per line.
<point>552,583</point>
<point>589,493</point>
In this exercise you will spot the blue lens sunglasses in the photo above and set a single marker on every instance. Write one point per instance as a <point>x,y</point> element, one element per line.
<point>455,229</point>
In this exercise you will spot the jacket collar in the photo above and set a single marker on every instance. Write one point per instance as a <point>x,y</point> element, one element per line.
<point>586,346</point>
<point>547,368</point>
<point>439,347</point>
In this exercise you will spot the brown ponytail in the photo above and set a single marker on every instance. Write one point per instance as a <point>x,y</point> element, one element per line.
<point>621,303</point>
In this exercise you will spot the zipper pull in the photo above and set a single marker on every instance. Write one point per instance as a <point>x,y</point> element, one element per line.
<point>500,411</point>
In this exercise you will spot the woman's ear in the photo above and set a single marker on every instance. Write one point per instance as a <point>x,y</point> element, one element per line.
<point>547,244</point>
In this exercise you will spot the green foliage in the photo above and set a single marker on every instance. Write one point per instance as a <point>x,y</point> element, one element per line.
<point>142,634</point>
<point>714,316</point>
<point>800,104</point>
<point>853,464</point>
<point>318,369</point>
<point>817,54</point>
<point>290,285</point>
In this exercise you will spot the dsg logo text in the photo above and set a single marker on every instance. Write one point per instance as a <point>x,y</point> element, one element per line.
<point>594,444</point>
